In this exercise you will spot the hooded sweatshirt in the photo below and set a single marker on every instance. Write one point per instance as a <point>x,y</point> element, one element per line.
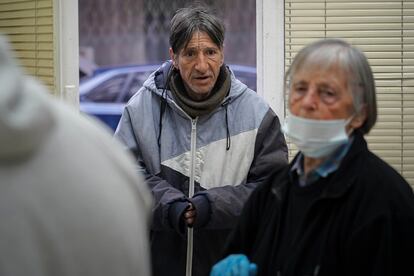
<point>69,199</point>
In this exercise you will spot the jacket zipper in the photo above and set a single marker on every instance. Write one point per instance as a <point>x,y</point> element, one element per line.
<point>189,262</point>
<point>298,236</point>
<point>193,154</point>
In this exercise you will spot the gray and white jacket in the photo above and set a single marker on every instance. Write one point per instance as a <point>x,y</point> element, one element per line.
<point>214,161</point>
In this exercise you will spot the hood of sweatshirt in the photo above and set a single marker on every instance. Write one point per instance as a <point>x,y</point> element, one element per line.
<point>25,117</point>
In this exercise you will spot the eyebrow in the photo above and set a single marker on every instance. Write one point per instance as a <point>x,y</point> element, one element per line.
<point>204,48</point>
<point>301,82</point>
<point>321,84</point>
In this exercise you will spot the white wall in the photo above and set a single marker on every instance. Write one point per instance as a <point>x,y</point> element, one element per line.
<point>66,44</point>
<point>270,53</point>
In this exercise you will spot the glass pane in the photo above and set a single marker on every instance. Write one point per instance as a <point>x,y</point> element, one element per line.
<point>107,91</point>
<point>135,84</point>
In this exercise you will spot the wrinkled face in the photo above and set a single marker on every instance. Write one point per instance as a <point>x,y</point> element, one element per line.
<point>322,94</point>
<point>199,65</point>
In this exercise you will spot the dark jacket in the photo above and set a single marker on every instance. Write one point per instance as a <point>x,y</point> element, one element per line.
<point>362,223</point>
<point>227,153</point>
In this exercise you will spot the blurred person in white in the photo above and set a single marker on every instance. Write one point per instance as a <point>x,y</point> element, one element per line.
<point>69,199</point>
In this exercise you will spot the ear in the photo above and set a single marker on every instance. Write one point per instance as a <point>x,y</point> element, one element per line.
<point>359,119</point>
<point>222,57</point>
<point>173,58</point>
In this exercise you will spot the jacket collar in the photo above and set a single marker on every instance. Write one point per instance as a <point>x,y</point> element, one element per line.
<point>339,181</point>
<point>330,165</point>
<point>345,177</point>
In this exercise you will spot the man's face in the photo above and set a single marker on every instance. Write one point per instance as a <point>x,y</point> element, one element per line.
<point>199,65</point>
<point>322,94</point>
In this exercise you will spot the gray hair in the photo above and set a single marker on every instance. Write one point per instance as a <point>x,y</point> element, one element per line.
<point>189,20</point>
<point>328,52</point>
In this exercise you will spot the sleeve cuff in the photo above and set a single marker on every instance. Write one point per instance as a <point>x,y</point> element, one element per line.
<point>175,213</point>
<point>203,209</point>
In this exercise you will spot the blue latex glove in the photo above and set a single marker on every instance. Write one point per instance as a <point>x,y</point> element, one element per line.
<point>234,265</point>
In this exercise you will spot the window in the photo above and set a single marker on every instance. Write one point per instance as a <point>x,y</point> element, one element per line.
<point>384,30</point>
<point>108,91</point>
<point>135,84</point>
<point>29,27</point>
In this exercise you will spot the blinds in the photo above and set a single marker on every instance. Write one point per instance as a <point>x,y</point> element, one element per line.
<point>384,30</point>
<point>29,27</point>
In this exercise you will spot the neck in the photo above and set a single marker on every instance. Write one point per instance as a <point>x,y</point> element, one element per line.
<point>309,163</point>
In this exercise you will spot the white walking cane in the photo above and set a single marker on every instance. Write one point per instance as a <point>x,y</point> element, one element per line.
<point>189,264</point>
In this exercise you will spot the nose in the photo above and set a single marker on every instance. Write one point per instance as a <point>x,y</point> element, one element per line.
<point>201,63</point>
<point>310,99</point>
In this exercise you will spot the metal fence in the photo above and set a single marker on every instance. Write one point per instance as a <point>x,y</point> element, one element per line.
<point>116,32</point>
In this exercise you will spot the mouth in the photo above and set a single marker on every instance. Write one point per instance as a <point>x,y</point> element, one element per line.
<point>202,78</point>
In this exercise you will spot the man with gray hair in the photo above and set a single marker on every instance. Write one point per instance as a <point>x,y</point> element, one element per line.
<point>204,141</point>
<point>70,200</point>
<point>337,209</point>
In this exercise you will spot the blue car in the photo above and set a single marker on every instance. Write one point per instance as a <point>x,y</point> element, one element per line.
<point>105,94</point>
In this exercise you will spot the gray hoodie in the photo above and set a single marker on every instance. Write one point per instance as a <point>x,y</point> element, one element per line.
<point>213,161</point>
<point>70,200</point>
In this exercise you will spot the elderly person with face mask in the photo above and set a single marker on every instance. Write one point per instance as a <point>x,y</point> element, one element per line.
<point>337,209</point>
<point>204,141</point>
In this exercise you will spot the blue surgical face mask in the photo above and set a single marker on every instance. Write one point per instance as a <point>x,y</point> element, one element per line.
<point>316,138</point>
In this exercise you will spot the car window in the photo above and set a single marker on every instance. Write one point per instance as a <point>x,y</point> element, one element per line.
<point>136,84</point>
<point>108,90</point>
